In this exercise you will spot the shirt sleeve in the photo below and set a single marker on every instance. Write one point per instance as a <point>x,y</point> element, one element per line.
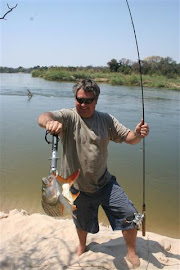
<point>58,115</point>
<point>66,117</point>
<point>118,132</point>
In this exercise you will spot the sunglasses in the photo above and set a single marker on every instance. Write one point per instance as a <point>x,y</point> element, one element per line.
<point>85,100</point>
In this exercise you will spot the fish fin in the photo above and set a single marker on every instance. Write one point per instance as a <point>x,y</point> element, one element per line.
<point>62,209</point>
<point>74,196</point>
<point>74,209</point>
<point>74,216</point>
<point>59,178</point>
<point>70,180</point>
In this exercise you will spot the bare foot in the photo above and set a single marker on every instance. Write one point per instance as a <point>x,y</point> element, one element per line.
<point>80,250</point>
<point>134,260</point>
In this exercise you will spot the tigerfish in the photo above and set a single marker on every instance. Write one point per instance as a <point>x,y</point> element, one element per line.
<point>56,194</point>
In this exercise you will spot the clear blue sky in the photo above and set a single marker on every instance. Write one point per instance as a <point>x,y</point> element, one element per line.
<point>86,32</point>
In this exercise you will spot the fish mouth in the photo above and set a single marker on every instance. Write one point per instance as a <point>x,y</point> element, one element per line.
<point>45,181</point>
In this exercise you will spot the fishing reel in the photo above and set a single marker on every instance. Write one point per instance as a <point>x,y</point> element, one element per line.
<point>138,220</point>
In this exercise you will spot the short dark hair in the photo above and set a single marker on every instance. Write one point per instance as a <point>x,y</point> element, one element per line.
<point>87,85</point>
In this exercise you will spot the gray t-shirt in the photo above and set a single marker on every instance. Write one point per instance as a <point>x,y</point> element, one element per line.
<point>84,146</point>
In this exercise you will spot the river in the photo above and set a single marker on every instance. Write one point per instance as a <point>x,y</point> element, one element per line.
<point>24,152</point>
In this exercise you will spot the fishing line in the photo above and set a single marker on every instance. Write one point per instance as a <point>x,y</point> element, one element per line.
<point>142,100</point>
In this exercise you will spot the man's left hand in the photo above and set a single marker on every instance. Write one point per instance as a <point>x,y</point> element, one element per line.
<point>142,129</point>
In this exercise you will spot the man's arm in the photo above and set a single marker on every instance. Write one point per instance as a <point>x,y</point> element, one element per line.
<point>141,131</point>
<point>47,121</point>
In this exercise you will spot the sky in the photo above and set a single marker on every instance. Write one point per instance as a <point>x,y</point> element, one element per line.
<point>86,32</point>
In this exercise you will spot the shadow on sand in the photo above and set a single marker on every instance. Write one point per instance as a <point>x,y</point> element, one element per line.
<point>146,250</point>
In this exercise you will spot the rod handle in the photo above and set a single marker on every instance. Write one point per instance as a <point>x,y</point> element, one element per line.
<point>144,220</point>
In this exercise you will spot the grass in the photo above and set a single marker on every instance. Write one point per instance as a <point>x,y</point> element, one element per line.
<point>155,81</point>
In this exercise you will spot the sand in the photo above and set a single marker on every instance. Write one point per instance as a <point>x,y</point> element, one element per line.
<point>41,242</point>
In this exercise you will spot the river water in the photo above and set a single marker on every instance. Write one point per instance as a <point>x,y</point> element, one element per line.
<point>24,153</point>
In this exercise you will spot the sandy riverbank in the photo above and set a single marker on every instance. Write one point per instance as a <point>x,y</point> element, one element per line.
<point>41,242</point>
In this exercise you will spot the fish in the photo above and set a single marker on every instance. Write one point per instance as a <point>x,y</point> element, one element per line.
<point>56,194</point>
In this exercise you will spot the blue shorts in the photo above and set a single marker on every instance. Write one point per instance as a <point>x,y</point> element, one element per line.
<point>118,208</point>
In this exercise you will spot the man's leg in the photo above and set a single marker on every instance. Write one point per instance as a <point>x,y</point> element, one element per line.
<point>130,239</point>
<point>82,235</point>
<point>85,218</point>
<point>119,208</point>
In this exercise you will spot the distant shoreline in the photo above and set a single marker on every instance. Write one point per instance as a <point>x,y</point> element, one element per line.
<point>112,78</point>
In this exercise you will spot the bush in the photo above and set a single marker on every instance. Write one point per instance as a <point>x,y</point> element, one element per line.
<point>133,80</point>
<point>37,73</point>
<point>114,78</point>
<point>116,81</point>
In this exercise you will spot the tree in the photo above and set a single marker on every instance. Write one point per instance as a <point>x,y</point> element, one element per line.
<point>125,66</point>
<point>153,59</point>
<point>113,65</point>
<point>159,65</point>
<point>10,9</point>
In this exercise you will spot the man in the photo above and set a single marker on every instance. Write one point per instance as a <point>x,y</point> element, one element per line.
<point>85,134</point>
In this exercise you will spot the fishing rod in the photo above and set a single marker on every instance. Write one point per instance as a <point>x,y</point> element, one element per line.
<point>143,148</point>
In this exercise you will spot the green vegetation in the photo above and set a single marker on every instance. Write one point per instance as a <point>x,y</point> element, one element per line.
<point>19,69</point>
<point>157,72</point>
<point>113,78</point>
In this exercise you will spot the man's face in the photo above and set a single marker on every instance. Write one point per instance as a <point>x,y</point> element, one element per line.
<point>82,98</point>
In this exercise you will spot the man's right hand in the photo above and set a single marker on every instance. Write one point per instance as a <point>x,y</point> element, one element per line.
<point>54,127</point>
<point>45,120</point>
